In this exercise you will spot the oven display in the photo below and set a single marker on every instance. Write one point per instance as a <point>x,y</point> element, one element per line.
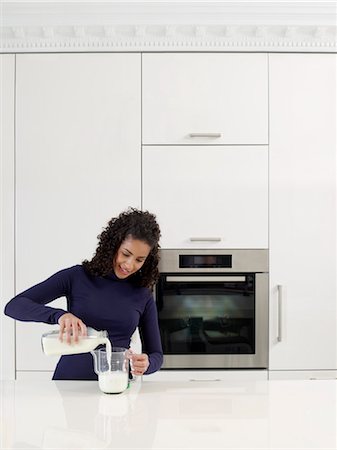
<point>205,261</point>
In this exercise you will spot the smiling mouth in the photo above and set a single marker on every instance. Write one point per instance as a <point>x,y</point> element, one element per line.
<point>124,271</point>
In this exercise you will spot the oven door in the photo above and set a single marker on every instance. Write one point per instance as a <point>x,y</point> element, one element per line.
<point>213,321</point>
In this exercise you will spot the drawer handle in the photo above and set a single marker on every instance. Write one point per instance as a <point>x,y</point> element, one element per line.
<point>205,379</point>
<point>205,239</point>
<point>205,135</point>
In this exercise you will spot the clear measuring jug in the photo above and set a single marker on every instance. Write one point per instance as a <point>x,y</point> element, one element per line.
<point>112,368</point>
<point>52,345</point>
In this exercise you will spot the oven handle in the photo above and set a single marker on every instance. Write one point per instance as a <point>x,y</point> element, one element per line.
<point>196,279</point>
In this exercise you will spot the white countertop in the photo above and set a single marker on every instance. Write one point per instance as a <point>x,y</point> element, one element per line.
<point>170,415</point>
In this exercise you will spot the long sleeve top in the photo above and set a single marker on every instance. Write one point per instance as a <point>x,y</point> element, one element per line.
<point>103,303</point>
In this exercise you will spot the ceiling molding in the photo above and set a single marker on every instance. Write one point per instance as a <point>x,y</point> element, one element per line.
<point>168,26</point>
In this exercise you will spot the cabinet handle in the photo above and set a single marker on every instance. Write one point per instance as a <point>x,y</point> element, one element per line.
<point>279,312</point>
<point>205,239</point>
<point>205,135</point>
<point>205,379</point>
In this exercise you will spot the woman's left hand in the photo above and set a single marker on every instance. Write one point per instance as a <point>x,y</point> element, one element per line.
<point>139,363</point>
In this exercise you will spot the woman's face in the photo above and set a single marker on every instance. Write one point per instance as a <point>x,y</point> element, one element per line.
<point>130,257</point>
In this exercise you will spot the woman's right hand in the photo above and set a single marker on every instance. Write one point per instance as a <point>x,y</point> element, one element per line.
<point>72,326</point>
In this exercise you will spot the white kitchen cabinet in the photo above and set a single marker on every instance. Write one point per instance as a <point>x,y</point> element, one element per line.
<point>205,98</point>
<point>303,211</point>
<point>208,196</point>
<point>78,163</point>
<point>7,196</point>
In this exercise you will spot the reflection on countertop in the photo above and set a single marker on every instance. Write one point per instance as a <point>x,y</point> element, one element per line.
<point>170,415</point>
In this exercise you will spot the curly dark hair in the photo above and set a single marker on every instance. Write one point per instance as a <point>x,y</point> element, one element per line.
<point>134,223</point>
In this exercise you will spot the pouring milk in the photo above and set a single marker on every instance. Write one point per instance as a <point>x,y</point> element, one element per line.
<point>111,365</point>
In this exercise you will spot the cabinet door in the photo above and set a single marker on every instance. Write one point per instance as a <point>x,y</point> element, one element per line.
<point>303,211</point>
<point>78,163</point>
<point>205,98</point>
<point>7,257</point>
<point>208,197</point>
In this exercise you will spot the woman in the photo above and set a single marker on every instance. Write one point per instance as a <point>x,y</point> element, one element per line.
<point>111,292</point>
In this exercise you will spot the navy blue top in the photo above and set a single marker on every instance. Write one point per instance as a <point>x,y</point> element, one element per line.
<point>103,303</point>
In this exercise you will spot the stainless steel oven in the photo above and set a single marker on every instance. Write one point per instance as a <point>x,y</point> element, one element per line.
<point>213,308</point>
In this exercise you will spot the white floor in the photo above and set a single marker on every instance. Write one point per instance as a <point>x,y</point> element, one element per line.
<point>260,414</point>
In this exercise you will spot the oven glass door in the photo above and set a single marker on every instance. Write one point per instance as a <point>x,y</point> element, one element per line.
<point>206,314</point>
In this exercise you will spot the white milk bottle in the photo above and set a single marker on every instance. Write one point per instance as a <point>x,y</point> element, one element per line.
<point>52,345</point>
